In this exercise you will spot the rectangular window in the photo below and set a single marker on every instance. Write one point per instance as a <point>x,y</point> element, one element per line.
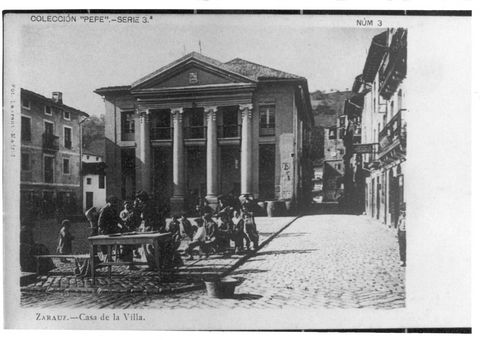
<point>89,181</point>
<point>26,129</point>
<point>66,115</point>
<point>267,120</point>
<point>66,166</point>
<point>26,166</point>
<point>332,133</point>
<point>67,137</point>
<point>48,166</point>
<point>48,110</point>
<point>128,125</point>
<point>48,128</point>
<point>26,103</point>
<point>101,181</point>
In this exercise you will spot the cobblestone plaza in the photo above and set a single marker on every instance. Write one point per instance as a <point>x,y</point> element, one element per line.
<point>318,261</point>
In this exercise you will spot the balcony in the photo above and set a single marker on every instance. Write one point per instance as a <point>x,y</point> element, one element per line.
<point>50,142</point>
<point>392,136</point>
<point>267,129</point>
<point>161,133</point>
<point>194,132</point>
<point>229,131</point>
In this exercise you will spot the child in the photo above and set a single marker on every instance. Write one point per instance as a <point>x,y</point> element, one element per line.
<point>65,239</point>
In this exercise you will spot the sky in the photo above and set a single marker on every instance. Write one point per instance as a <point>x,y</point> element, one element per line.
<point>78,58</point>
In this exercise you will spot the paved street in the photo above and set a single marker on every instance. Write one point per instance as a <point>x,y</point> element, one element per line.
<point>322,261</point>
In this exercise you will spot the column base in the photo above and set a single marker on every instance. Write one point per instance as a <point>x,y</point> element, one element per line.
<point>212,201</point>
<point>177,205</point>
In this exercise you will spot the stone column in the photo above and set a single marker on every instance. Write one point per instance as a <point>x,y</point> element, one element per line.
<point>246,150</point>
<point>212,152</point>
<point>145,152</point>
<point>177,200</point>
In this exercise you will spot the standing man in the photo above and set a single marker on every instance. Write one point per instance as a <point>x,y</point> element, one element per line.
<point>108,219</point>
<point>402,236</point>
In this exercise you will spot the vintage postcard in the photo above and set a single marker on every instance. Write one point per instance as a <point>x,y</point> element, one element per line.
<point>227,170</point>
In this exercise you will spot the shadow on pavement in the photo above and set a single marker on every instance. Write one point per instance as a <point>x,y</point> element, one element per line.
<point>248,271</point>
<point>283,252</point>
<point>246,296</point>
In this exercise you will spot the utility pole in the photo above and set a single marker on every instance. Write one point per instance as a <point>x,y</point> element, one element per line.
<point>80,139</point>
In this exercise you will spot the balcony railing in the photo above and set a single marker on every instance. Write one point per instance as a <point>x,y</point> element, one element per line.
<point>267,130</point>
<point>50,142</point>
<point>229,131</point>
<point>391,135</point>
<point>161,133</point>
<point>194,132</point>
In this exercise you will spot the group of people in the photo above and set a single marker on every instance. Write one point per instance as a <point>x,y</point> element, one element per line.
<point>234,224</point>
<point>212,230</point>
<point>139,215</point>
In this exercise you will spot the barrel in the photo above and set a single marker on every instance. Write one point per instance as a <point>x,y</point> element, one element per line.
<point>262,208</point>
<point>221,288</point>
<point>289,208</point>
<point>271,209</point>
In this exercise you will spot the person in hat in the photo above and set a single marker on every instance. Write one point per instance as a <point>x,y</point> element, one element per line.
<point>186,228</point>
<point>211,229</point>
<point>174,228</point>
<point>250,229</point>
<point>109,221</point>
<point>224,231</point>
<point>108,218</point>
<point>152,221</point>
<point>402,235</point>
<point>238,231</point>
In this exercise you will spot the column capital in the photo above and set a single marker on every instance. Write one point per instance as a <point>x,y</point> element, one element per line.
<point>211,111</point>
<point>210,108</point>
<point>177,113</point>
<point>246,109</point>
<point>145,113</point>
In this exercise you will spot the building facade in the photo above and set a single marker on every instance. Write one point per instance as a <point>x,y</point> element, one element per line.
<point>333,166</point>
<point>93,177</point>
<point>198,128</point>
<point>50,155</point>
<point>328,133</point>
<point>379,112</point>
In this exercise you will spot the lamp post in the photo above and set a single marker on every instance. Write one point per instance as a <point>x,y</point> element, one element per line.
<point>80,140</point>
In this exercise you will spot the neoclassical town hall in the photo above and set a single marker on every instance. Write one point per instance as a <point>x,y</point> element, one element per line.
<point>198,128</point>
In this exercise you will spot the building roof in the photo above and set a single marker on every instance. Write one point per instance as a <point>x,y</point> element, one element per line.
<point>95,148</point>
<point>239,67</point>
<point>256,71</point>
<point>377,50</point>
<point>93,168</point>
<point>53,103</point>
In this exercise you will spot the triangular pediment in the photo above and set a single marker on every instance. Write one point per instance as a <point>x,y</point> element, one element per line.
<point>191,70</point>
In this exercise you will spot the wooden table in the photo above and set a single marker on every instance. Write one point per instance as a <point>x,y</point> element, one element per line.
<point>126,239</point>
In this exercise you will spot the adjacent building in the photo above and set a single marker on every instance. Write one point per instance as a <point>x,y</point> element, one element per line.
<point>93,177</point>
<point>50,155</point>
<point>328,133</point>
<point>198,128</point>
<point>377,112</point>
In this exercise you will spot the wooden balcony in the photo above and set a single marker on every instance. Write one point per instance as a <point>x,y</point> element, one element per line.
<point>50,142</point>
<point>392,136</point>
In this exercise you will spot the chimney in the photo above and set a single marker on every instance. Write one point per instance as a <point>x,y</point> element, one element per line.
<point>57,97</point>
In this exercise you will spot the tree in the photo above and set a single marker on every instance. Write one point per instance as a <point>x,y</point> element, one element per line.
<point>93,129</point>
